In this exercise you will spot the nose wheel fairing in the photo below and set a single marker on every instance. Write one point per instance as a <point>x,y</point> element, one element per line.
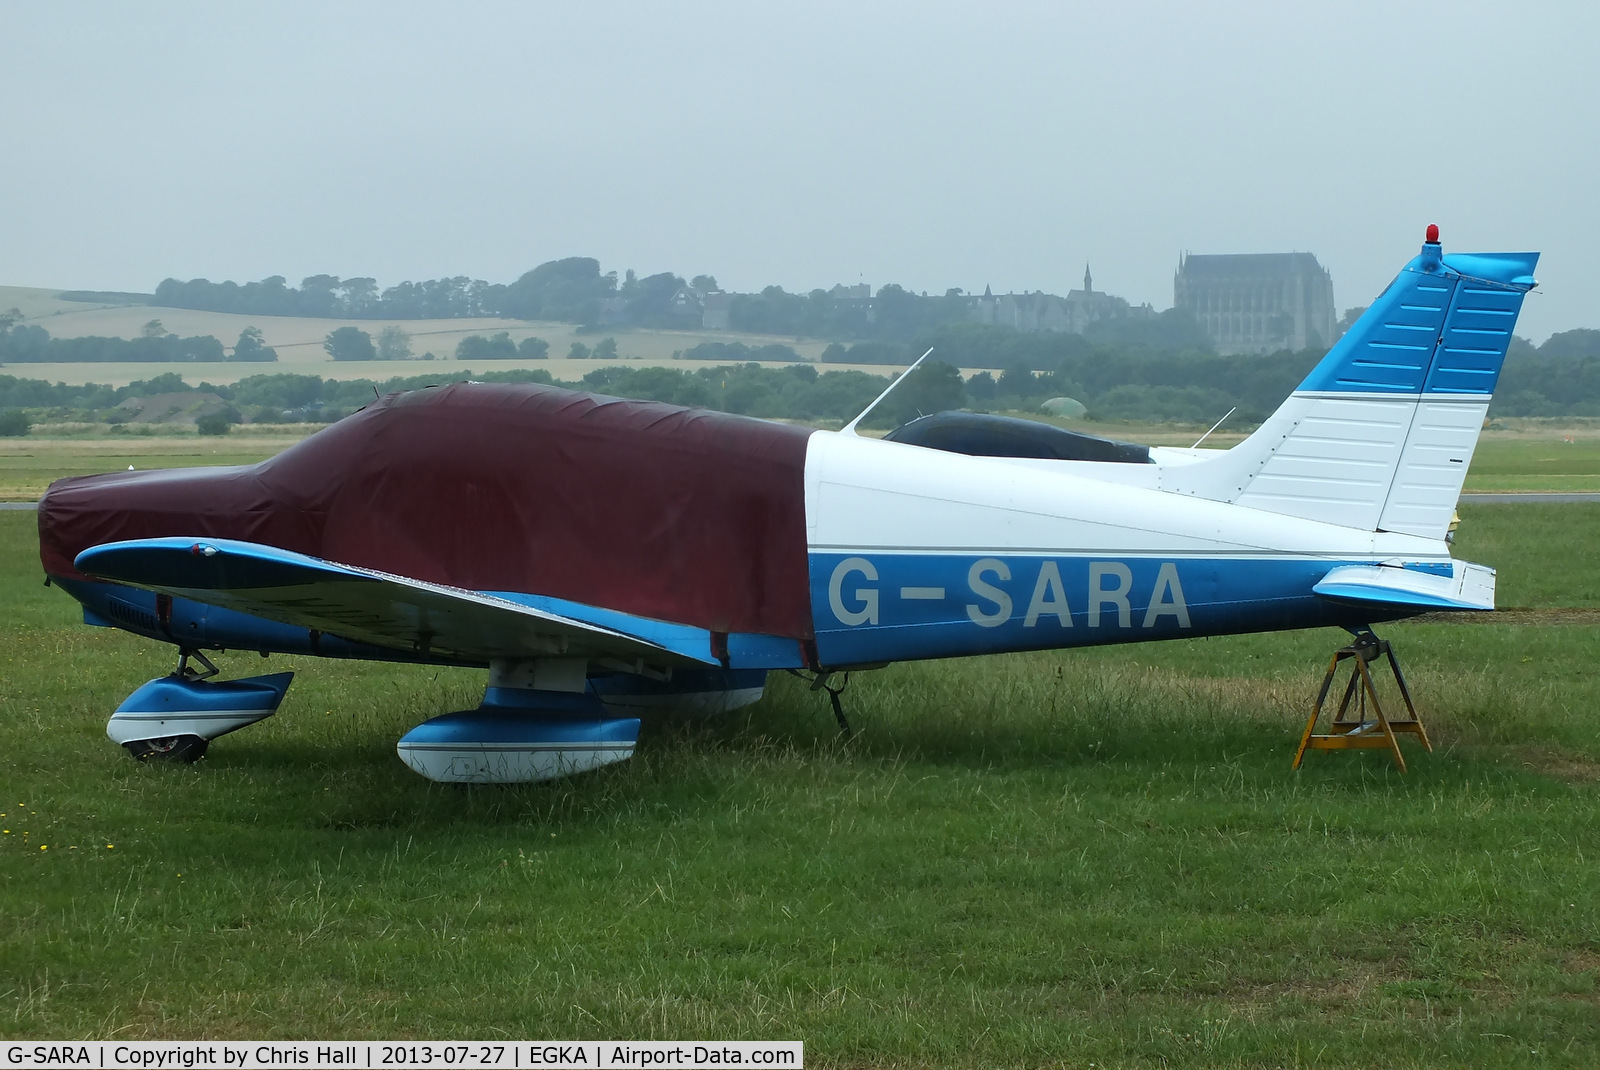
<point>176,717</point>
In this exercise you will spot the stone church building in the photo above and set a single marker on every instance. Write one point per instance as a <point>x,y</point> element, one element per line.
<point>1258,302</point>
<point>1048,312</point>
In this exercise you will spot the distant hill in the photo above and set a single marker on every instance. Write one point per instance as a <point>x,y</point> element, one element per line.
<point>34,302</point>
<point>106,297</point>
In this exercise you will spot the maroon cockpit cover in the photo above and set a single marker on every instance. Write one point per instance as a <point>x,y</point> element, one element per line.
<point>676,514</point>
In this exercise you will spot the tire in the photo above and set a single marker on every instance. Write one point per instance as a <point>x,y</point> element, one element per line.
<point>169,748</point>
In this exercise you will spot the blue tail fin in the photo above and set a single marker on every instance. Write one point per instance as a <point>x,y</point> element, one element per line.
<point>1441,327</point>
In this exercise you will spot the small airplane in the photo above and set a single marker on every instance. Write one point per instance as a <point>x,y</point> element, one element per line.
<point>602,557</point>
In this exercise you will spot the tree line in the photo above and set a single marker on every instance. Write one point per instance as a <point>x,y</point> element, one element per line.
<point>22,343</point>
<point>1020,372</point>
<point>330,297</point>
<point>571,290</point>
<point>1140,389</point>
<point>575,290</point>
<point>796,392</point>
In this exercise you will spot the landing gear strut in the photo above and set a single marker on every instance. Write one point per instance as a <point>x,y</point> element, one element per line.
<point>185,672</point>
<point>1360,727</point>
<point>819,682</point>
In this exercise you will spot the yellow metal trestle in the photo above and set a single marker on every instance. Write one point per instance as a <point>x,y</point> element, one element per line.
<point>1360,720</point>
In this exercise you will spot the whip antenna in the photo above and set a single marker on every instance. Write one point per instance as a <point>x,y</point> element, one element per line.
<point>850,428</point>
<point>1214,426</point>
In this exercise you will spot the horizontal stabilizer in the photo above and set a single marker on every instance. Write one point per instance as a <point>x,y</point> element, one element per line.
<point>365,605</point>
<point>1463,586</point>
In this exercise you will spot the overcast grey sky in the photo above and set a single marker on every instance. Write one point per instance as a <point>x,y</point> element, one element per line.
<point>801,144</point>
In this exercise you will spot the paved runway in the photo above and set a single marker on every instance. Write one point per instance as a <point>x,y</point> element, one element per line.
<point>1526,499</point>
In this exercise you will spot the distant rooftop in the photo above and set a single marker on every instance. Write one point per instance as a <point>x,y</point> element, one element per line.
<point>1271,264</point>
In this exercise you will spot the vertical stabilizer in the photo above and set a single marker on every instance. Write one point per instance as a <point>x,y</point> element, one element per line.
<point>1380,434</point>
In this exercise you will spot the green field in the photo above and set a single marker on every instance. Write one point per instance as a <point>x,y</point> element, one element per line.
<point>28,465</point>
<point>1521,458</point>
<point>1051,859</point>
<point>1531,457</point>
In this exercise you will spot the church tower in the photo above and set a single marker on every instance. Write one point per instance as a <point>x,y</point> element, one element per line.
<point>1088,280</point>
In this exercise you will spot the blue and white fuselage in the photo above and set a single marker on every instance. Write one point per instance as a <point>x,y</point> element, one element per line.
<point>919,555</point>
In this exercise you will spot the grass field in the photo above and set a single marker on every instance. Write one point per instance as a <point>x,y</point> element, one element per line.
<point>1531,455</point>
<point>28,465</point>
<point>1526,457</point>
<point>1093,857</point>
<point>632,354</point>
<point>38,304</point>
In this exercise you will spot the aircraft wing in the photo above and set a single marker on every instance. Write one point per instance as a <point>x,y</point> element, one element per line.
<point>365,605</point>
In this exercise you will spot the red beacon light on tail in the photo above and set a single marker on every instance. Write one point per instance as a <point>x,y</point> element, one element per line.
<point>1431,250</point>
